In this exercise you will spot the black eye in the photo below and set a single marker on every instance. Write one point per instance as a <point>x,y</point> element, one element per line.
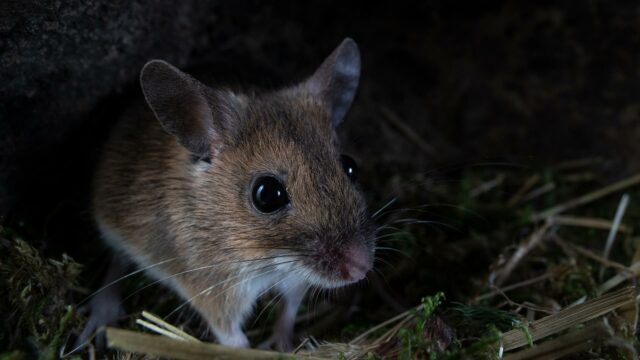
<point>269,195</point>
<point>349,166</point>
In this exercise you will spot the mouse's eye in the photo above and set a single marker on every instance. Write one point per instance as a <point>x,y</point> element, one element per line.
<point>269,195</point>
<point>349,166</point>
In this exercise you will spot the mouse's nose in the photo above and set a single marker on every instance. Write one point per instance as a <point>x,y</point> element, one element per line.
<point>357,263</point>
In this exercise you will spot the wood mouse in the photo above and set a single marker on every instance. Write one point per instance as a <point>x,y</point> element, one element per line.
<point>224,196</point>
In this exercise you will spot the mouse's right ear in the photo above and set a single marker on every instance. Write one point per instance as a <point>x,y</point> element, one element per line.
<point>336,80</point>
<point>181,104</point>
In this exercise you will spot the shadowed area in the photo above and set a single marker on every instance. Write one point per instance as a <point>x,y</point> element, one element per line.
<point>471,116</point>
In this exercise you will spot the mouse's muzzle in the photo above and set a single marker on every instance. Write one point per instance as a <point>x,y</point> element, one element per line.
<point>341,261</point>
<point>356,263</point>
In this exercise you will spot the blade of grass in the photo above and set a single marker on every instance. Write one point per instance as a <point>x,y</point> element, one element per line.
<point>590,254</point>
<point>162,346</point>
<point>159,330</point>
<point>523,249</point>
<point>537,192</point>
<point>398,317</point>
<point>579,163</point>
<point>569,317</point>
<point>587,198</point>
<point>571,343</point>
<point>158,321</point>
<point>593,223</point>
<point>518,285</point>
<point>528,184</point>
<point>618,279</point>
<point>487,186</point>
<point>617,219</point>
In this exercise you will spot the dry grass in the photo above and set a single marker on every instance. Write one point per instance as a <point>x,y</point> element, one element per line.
<point>564,289</point>
<point>591,324</point>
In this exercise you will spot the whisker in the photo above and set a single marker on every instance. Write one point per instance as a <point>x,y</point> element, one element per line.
<point>386,263</point>
<point>389,203</point>
<point>456,207</point>
<point>409,221</point>
<point>421,209</point>
<point>393,249</point>
<point>387,227</point>
<point>126,277</point>
<point>379,272</point>
<point>314,298</point>
<point>190,300</point>
<point>385,236</point>
<point>396,211</point>
<point>208,267</point>
<point>270,301</point>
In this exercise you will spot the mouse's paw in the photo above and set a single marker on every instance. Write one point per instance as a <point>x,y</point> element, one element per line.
<point>279,341</point>
<point>103,311</point>
<point>235,339</point>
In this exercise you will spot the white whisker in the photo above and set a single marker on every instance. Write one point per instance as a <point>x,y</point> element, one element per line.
<point>230,287</point>
<point>389,203</point>
<point>126,277</point>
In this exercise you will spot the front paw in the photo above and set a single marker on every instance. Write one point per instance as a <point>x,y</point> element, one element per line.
<point>236,339</point>
<point>103,311</point>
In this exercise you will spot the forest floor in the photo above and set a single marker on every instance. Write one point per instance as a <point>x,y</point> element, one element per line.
<point>499,142</point>
<point>491,262</point>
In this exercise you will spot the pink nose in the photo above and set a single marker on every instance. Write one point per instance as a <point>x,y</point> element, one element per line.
<point>357,263</point>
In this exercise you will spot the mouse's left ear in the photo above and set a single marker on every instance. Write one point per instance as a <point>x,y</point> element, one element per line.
<point>181,105</point>
<point>336,80</point>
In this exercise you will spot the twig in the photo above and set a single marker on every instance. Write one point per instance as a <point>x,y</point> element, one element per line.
<point>590,254</point>
<point>594,223</point>
<point>158,330</point>
<point>523,249</point>
<point>525,305</point>
<point>538,192</point>
<point>487,186</point>
<point>385,323</point>
<point>571,343</point>
<point>528,184</point>
<point>393,331</point>
<point>514,286</point>
<point>162,346</point>
<point>619,278</point>
<point>587,198</point>
<point>617,219</point>
<point>579,163</point>
<point>569,317</point>
<point>579,177</point>
<point>158,321</point>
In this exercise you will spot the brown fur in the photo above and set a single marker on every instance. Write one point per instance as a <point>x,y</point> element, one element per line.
<point>164,205</point>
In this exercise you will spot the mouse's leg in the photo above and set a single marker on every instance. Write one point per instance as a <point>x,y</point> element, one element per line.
<point>224,309</point>
<point>281,338</point>
<point>233,337</point>
<point>105,306</point>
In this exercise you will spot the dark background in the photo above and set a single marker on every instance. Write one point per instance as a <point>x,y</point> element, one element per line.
<point>527,84</point>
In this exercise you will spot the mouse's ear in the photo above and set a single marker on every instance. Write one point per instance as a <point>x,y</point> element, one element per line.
<point>181,105</point>
<point>336,80</point>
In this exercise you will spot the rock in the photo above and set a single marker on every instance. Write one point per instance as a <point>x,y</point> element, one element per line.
<point>59,59</point>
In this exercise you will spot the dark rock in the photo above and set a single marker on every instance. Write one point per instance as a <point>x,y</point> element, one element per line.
<point>58,59</point>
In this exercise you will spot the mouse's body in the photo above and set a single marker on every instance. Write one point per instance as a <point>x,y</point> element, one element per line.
<point>226,196</point>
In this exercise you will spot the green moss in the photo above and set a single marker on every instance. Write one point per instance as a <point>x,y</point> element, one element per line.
<point>476,318</point>
<point>13,355</point>
<point>413,340</point>
<point>37,297</point>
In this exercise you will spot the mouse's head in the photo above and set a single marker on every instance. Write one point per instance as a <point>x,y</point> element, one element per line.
<point>267,173</point>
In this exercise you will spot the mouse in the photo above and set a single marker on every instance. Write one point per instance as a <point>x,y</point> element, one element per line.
<point>225,196</point>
